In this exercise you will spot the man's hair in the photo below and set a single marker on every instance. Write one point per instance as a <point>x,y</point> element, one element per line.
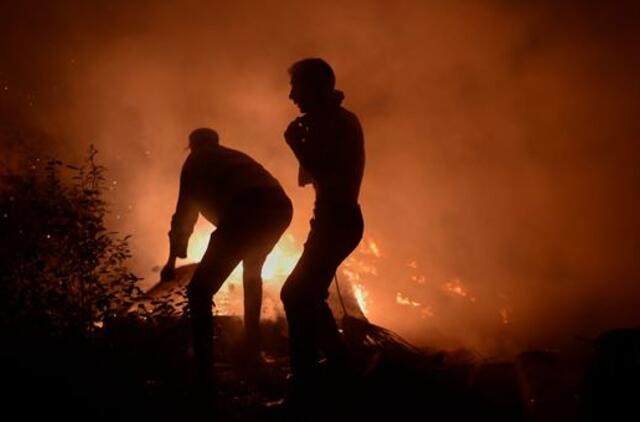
<point>314,71</point>
<point>203,137</point>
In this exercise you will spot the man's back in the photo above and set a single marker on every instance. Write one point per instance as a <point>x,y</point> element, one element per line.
<point>214,177</point>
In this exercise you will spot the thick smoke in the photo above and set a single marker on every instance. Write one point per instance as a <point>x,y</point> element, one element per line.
<point>502,139</point>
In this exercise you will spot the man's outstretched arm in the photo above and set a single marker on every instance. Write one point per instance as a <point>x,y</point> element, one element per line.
<point>182,223</point>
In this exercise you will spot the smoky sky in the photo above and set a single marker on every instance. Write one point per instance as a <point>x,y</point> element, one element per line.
<point>501,139</point>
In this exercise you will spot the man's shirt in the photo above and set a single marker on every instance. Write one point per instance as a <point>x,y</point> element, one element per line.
<point>211,179</point>
<point>332,157</point>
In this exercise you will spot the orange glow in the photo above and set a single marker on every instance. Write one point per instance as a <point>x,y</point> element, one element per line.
<point>370,246</point>
<point>282,259</point>
<point>420,279</point>
<point>504,315</point>
<point>404,300</point>
<point>278,265</point>
<point>198,242</point>
<point>426,312</point>
<point>361,294</point>
<point>373,247</point>
<point>455,287</point>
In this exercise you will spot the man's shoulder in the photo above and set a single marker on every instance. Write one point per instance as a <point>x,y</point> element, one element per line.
<point>349,117</point>
<point>348,114</point>
<point>196,163</point>
<point>230,154</point>
<point>350,120</point>
<point>188,162</point>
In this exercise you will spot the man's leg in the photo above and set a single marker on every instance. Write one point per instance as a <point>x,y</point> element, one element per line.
<point>252,284</point>
<point>271,215</point>
<point>221,257</point>
<point>298,306</point>
<point>312,325</point>
<point>342,238</point>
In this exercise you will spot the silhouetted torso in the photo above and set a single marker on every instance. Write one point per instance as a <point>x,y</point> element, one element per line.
<point>332,158</point>
<point>210,181</point>
<point>214,177</point>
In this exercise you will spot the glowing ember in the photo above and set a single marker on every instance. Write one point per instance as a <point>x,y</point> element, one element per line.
<point>426,311</point>
<point>370,247</point>
<point>364,268</point>
<point>373,247</point>
<point>420,279</point>
<point>353,276</point>
<point>455,287</point>
<point>404,300</point>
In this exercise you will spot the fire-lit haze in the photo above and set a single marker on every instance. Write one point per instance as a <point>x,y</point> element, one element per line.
<point>501,193</point>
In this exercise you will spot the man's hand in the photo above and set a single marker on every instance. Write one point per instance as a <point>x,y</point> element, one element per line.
<point>296,132</point>
<point>168,272</point>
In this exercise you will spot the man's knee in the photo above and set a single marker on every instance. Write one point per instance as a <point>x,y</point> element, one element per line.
<point>289,295</point>
<point>299,298</point>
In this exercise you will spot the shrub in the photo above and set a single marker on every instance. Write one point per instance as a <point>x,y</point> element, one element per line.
<point>61,271</point>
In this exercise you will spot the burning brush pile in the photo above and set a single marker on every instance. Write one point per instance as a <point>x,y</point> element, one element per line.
<point>395,378</point>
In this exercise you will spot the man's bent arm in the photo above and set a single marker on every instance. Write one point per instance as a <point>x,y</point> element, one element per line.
<point>309,150</point>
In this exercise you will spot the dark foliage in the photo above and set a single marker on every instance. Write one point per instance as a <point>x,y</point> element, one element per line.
<point>63,273</point>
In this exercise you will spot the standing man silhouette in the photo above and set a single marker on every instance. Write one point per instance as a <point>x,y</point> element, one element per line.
<point>250,211</point>
<point>328,142</point>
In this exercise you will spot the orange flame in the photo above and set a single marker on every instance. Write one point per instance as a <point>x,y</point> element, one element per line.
<point>277,266</point>
<point>361,294</point>
<point>455,287</point>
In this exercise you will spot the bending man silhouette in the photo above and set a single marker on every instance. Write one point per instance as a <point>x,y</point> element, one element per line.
<point>328,143</point>
<point>250,211</point>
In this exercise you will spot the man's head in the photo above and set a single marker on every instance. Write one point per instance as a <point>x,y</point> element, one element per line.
<point>203,138</point>
<point>312,83</point>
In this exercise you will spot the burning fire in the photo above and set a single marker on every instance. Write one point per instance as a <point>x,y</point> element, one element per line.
<point>404,300</point>
<point>361,294</point>
<point>281,260</point>
<point>359,269</point>
<point>198,242</point>
<point>279,265</point>
<point>455,287</point>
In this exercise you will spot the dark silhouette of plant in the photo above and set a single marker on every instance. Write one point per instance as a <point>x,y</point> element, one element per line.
<point>61,271</point>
